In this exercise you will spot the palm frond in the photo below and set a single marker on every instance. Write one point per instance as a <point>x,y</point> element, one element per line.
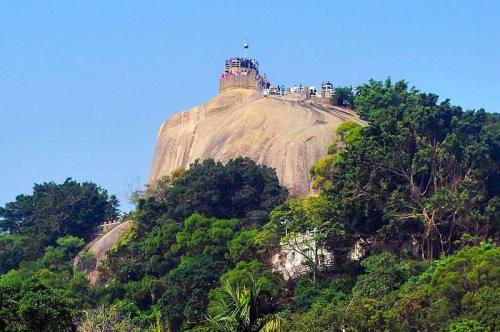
<point>275,324</point>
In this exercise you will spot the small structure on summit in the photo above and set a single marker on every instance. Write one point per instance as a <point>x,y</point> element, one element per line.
<point>242,73</point>
<point>326,90</point>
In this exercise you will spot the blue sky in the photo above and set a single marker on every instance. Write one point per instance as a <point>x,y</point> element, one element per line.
<point>85,85</point>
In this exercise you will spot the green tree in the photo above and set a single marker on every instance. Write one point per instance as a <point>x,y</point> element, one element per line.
<point>54,271</point>
<point>423,171</point>
<point>70,245</point>
<point>56,210</point>
<point>343,96</point>
<point>376,97</point>
<point>238,310</point>
<point>156,248</point>
<point>27,305</point>
<point>243,246</point>
<point>321,317</point>
<point>452,293</point>
<point>186,296</point>
<point>207,236</point>
<point>466,325</point>
<point>382,275</point>
<point>247,274</point>
<point>225,191</point>
<point>347,133</point>
<point>15,248</point>
<point>322,293</point>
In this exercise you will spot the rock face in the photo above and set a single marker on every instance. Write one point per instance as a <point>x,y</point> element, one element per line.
<point>286,134</point>
<point>98,248</point>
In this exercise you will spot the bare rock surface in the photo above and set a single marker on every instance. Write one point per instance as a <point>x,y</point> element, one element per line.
<point>99,247</point>
<point>288,135</point>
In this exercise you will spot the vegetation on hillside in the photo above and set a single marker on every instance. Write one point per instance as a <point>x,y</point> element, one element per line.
<point>416,192</point>
<point>34,222</point>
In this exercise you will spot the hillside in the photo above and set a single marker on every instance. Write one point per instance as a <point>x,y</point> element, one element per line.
<point>402,236</point>
<point>288,135</point>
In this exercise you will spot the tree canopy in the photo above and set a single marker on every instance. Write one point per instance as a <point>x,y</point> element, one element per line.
<point>239,189</point>
<point>33,222</point>
<point>422,170</point>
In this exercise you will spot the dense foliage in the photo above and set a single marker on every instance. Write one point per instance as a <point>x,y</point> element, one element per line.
<point>422,171</point>
<point>28,305</point>
<point>343,96</point>
<point>45,294</point>
<point>238,189</point>
<point>33,222</point>
<point>346,135</point>
<point>189,232</point>
<point>402,236</point>
<point>392,295</point>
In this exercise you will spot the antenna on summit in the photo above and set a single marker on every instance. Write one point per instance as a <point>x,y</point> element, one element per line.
<point>245,46</point>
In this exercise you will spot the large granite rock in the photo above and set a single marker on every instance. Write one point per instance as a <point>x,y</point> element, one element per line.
<point>288,135</point>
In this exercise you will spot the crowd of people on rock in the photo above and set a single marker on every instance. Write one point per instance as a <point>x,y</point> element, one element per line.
<point>242,63</point>
<point>232,73</point>
<point>241,67</point>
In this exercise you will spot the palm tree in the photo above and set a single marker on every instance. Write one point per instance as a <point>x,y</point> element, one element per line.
<point>237,310</point>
